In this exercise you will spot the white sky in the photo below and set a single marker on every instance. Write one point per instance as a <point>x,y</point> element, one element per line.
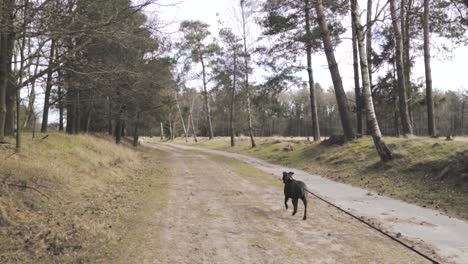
<point>447,74</point>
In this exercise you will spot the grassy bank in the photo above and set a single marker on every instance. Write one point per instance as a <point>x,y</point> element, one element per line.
<point>73,198</point>
<point>429,172</point>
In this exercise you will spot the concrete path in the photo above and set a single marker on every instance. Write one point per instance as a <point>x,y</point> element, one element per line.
<point>427,230</point>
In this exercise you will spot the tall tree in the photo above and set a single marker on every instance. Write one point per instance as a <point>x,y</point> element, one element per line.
<point>195,35</point>
<point>340,94</point>
<point>383,151</point>
<point>402,94</point>
<point>233,49</point>
<point>406,7</point>
<point>179,110</point>
<point>313,100</point>
<point>45,112</point>
<point>357,87</point>
<point>289,26</point>
<point>7,9</point>
<point>245,15</point>
<point>369,40</point>
<point>427,67</point>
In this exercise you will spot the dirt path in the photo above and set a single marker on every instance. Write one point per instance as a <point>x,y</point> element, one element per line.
<point>219,210</point>
<point>428,230</point>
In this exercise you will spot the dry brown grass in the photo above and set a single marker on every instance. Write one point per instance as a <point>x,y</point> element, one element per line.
<point>66,198</point>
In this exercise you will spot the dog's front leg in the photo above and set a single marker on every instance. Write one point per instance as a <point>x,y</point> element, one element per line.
<point>286,202</point>
<point>294,201</point>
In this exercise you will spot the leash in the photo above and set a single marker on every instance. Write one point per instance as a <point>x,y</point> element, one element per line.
<point>411,248</point>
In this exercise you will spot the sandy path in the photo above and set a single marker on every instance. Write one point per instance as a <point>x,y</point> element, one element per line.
<point>219,213</point>
<point>428,230</point>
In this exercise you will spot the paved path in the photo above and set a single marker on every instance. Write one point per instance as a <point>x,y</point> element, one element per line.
<point>428,230</point>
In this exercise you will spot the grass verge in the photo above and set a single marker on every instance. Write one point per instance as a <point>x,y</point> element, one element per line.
<point>74,199</point>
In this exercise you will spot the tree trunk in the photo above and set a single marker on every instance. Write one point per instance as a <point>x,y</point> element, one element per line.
<point>190,121</point>
<point>31,99</point>
<point>20,78</point>
<point>462,116</point>
<point>181,117</point>
<point>403,99</point>
<point>405,16</point>
<point>60,105</point>
<point>427,66</point>
<point>233,97</point>
<point>18,110</point>
<point>135,131</point>
<point>383,151</point>
<point>396,122</point>
<point>207,102</point>
<point>109,115</point>
<point>162,131</point>
<point>7,8</point>
<point>45,113</point>
<point>3,77</point>
<point>193,128</point>
<point>246,84</point>
<point>60,93</point>
<point>77,109</point>
<point>10,105</point>
<point>11,88</point>
<point>357,88</point>
<point>171,131</point>
<point>369,41</point>
<point>70,109</point>
<point>87,120</point>
<point>118,129</point>
<point>340,94</point>
<point>313,100</point>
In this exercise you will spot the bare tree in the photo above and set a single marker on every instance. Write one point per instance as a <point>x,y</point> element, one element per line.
<point>403,97</point>
<point>45,112</point>
<point>357,87</point>
<point>313,100</point>
<point>427,66</point>
<point>383,151</point>
<point>244,22</point>
<point>340,94</point>
<point>195,33</point>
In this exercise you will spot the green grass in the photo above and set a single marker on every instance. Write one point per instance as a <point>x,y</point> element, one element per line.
<point>258,177</point>
<point>413,176</point>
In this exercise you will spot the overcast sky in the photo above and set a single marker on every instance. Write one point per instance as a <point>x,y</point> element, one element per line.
<point>447,74</point>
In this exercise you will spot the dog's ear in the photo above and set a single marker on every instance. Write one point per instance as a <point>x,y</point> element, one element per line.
<point>291,173</point>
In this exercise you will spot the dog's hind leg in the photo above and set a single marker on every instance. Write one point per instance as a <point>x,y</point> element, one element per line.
<point>286,202</point>
<point>304,200</point>
<point>294,201</point>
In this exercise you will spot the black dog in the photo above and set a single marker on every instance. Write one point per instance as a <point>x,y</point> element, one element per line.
<point>295,190</point>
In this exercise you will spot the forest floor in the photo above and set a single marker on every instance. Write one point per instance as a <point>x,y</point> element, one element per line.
<point>431,173</point>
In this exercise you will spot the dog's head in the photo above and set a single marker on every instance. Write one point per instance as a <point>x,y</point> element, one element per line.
<point>287,176</point>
